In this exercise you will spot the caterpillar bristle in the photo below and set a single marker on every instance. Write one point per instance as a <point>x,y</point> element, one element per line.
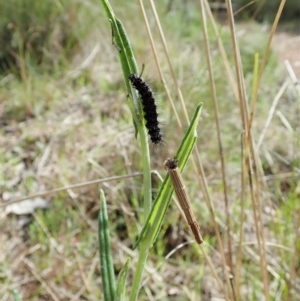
<point>149,108</point>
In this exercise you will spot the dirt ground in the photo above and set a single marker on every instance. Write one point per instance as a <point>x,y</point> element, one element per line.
<point>287,46</point>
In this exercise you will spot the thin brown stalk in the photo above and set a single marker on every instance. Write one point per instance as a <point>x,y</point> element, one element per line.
<point>82,273</point>
<point>244,118</point>
<point>238,94</point>
<point>258,9</point>
<point>202,180</point>
<point>256,208</point>
<point>39,278</point>
<point>238,68</point>
<point>250,147</point>
<point>214,272</point>
<point>158,65</point>
<point>258,170</point>
<point>166,51</point>
<point>217,121</point>
<point>198,163</point>
<point>253,253</point>
<point>244,7</point>
<point>254,149</point>
<point>225,61</point>
<point>263,63</point>
<point>84,184</point>
<point>52,240</point>
<point>239,258</point>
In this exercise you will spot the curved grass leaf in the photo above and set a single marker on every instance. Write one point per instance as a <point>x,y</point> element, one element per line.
<point>120,293</point>
<point>125,52</point>
<point>128,63</point>
<point>107,268</point>
<point>153,224</point>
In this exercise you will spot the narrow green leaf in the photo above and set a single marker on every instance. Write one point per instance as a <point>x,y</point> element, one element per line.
<point>120,293</point>
<point>153,224</point>
<point>107,268</point>
<point>16,295</point>
<point>127,48</point>
<point>121,40</point>
<point>127,61</point>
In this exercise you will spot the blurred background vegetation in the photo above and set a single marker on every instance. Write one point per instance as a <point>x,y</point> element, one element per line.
<point>48,33</point>
<point>36,34</point>
<point>265,10</point>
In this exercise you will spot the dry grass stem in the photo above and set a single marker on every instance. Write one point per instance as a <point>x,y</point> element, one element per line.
<point>79,185</point>
<point>292,75</point>
<point>166,51</point>
<point>158,64</point>
<point>271,113</point>
<point>218,129</point>
<point>36,274</point>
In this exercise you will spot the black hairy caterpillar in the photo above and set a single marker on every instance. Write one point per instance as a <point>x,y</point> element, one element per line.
<point>149,107</point>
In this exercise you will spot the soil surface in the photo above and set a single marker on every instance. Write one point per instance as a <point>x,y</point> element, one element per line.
<point>287,46</point>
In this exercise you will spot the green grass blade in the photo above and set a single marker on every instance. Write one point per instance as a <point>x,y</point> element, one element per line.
<point>16,295</point>
<point>127,48</point>
<point>128,64</point>
<point>120,293</point>
<point>155,219</point>
<point>125,52</point>
<point>107,268</point>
